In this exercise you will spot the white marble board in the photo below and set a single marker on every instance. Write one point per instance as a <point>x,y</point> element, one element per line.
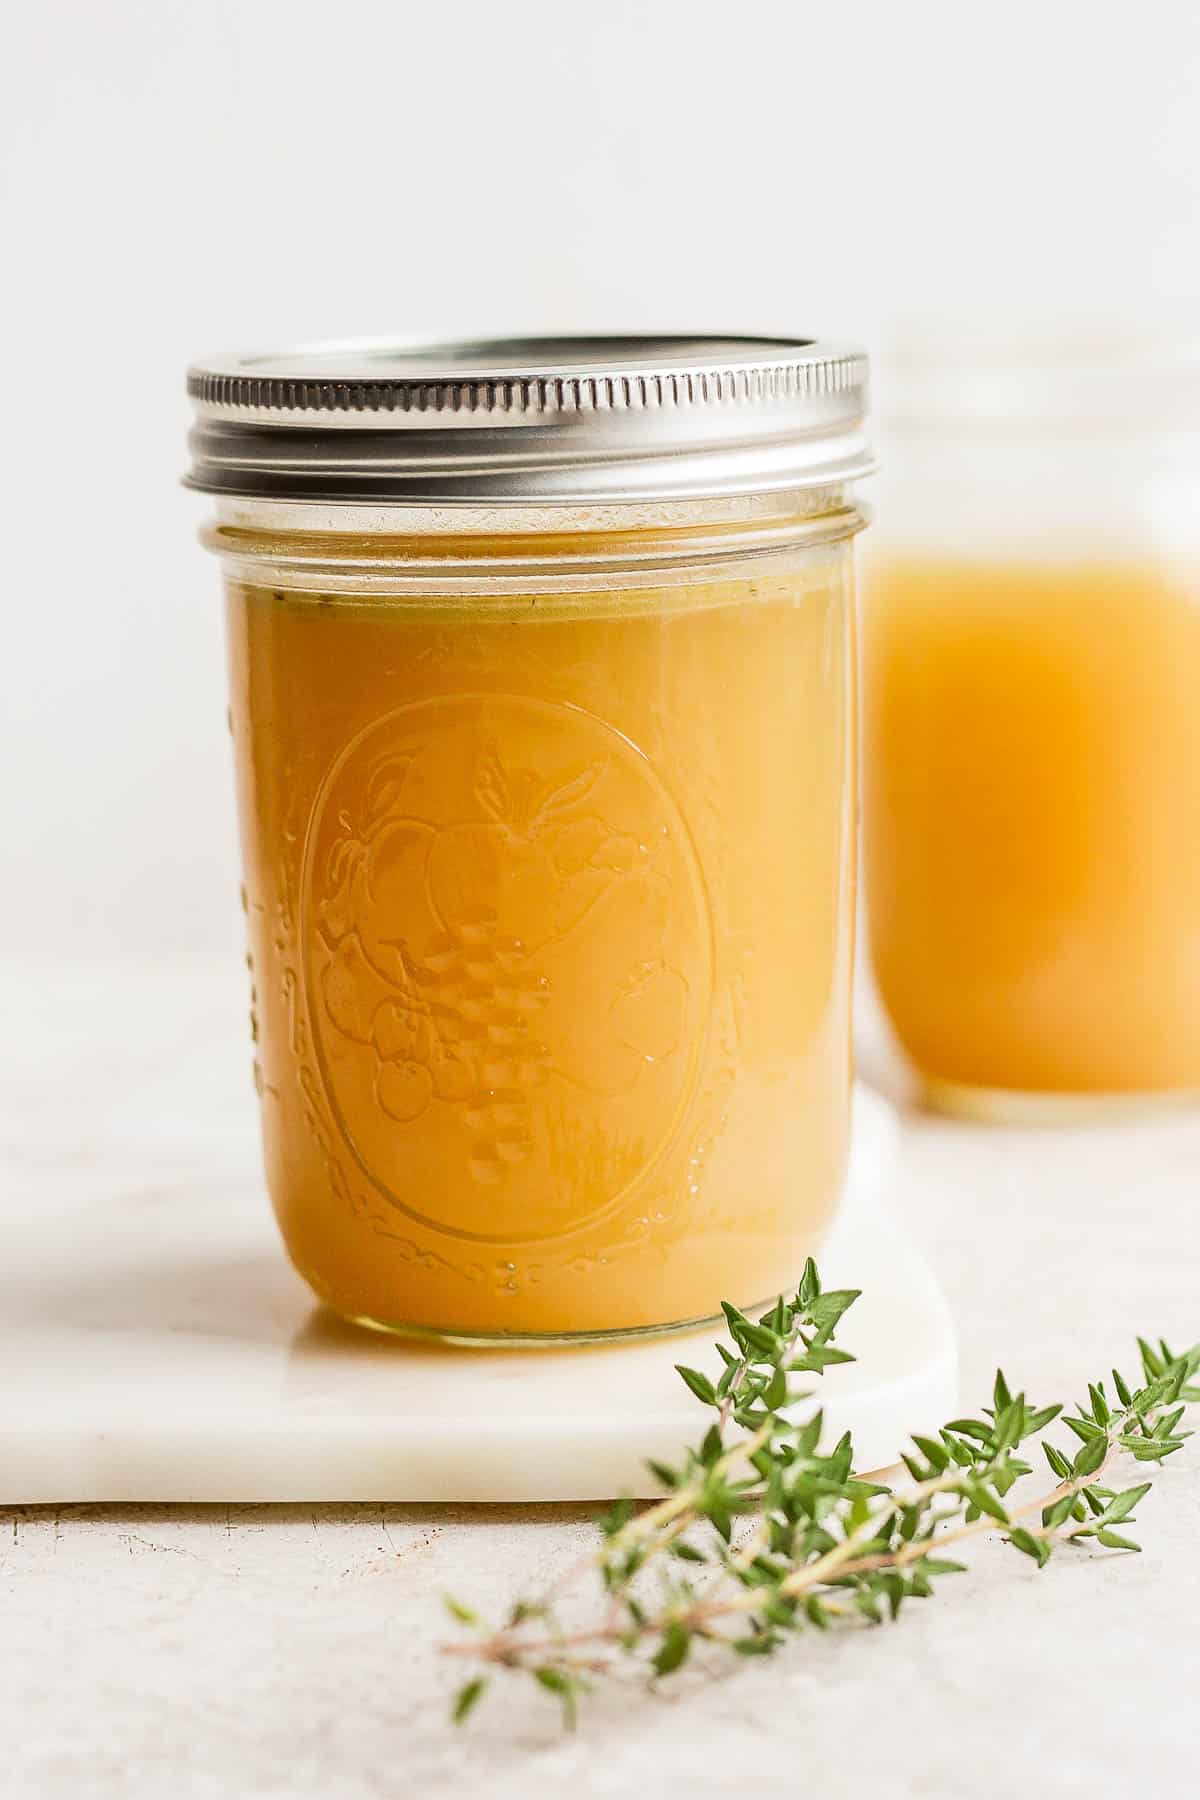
<point>168,1353</point>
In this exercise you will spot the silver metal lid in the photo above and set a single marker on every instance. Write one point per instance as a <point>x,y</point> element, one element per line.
<point>573,419</point>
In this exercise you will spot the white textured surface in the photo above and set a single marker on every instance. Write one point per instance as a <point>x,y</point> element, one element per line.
<point>287,1650</point>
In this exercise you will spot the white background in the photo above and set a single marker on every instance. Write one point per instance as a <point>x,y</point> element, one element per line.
<point>184,175</point>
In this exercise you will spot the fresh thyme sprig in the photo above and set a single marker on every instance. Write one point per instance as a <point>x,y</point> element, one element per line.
<point>823,1546</point>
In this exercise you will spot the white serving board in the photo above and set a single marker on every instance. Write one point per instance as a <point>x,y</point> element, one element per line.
<point>157,1347</point>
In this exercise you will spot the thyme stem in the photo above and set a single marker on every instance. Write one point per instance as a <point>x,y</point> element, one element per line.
<point>824,1546</point>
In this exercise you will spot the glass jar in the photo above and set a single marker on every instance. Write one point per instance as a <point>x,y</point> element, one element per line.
<point>542,670</point>
<point>1032,733</point>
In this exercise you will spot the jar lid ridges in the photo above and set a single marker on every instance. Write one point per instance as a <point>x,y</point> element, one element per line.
<point>556,419</point>
<point>210,388</point>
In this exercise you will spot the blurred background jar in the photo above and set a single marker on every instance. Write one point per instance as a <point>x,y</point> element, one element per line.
<point>1032,717</point>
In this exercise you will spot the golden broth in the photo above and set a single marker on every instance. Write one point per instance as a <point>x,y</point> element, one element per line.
<point>1032,825</point>
<point>550,910</point>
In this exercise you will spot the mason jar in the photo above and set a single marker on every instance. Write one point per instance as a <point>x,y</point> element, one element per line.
<point>1032,727</point>
<point>542,675</point>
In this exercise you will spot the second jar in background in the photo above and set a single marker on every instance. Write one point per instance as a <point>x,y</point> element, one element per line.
<point>1032,722</point>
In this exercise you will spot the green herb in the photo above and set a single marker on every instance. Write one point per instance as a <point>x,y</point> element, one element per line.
<point>822,1546</point>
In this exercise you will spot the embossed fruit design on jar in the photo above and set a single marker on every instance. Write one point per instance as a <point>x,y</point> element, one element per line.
<point>547,804</point>
<point>489,957</point>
